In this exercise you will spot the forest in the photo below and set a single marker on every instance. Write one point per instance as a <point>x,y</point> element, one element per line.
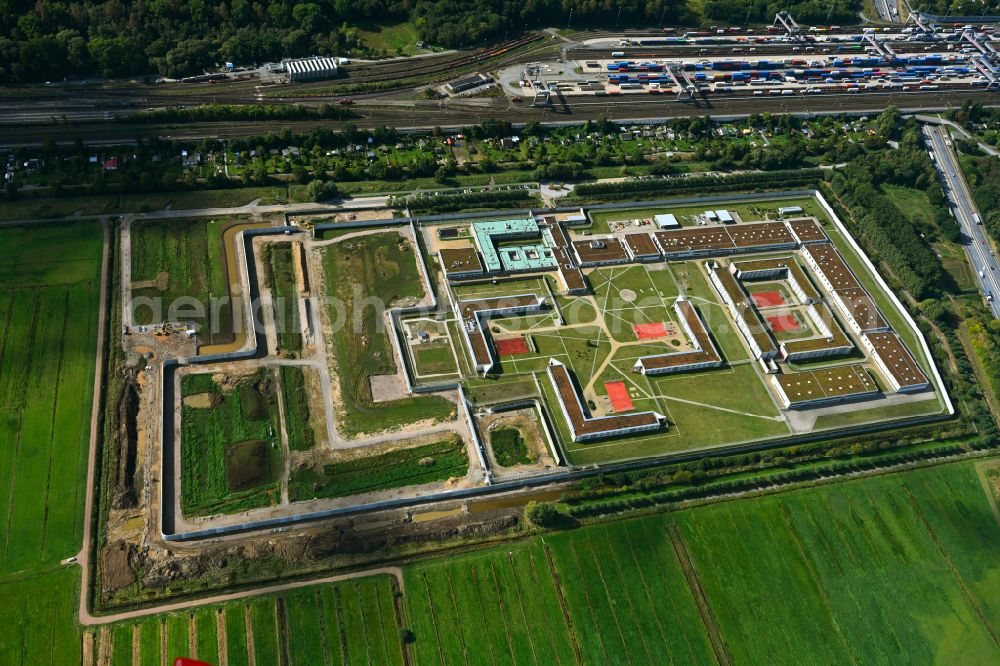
<point>46,40</point>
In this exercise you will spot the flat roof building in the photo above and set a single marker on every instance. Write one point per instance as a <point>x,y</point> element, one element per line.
<point>475,312</point>
<point>826,385</point>
<point>642,247</point>
<point>807,230</point>
<point>600,252</point>
<point>895,361</point>
<point>461,262</point>
<point>666,221</point>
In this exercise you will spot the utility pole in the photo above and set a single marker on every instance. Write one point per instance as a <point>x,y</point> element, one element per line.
<point>570,19</point>
<point>663,13</point>
<point>619,15</point>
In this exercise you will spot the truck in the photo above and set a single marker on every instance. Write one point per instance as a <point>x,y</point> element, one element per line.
<point>976,219</point>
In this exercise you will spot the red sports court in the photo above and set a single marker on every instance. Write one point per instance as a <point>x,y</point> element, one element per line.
<point>649,331</point>
<point>620,400</point>
<point>768,299</point>
<point>512,346</point>
<point>785,323</point>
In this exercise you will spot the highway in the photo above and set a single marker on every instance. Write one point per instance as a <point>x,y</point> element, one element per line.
<point>977,243</point>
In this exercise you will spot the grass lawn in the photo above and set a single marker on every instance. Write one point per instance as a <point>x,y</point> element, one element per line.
<point>49,295</point>
<point>394,38</point>
<point>415,465</point>
<point>435,358</point>
<point>230,461</point>
<point>509,447</point>
<point>381,267</point>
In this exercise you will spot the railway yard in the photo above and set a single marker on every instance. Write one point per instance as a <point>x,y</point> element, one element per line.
<point>786,68</point>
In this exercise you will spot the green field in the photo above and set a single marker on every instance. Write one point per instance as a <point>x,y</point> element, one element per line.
<point>190,255</point>
<point>349,622</point>
<point>49,295</point>
<point>435,358</point>
<point>893,569</point>
<point>385,269</point>
<point>415,465</point>
<point>278,262</point>
<point>296,400</point>
<point>230,461</point>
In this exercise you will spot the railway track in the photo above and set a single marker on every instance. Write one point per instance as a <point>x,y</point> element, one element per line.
<point>425,115</point>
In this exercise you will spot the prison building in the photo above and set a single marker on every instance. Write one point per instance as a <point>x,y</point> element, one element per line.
<point>831,341</point>
<point>757,236</point>
<point>642,247</point>
<point>895,361</point>
<point>823,386</point>
<point>829,267</point>
<point>782,268</point>
<point>459,263</point>
<point>311,69</point>
<point>600,252</point>
<point>694,241</point>
<point>584,427</point>
<point>806,230</point>
<point>475,329</point>
<point>747,319</point>
<point>703,354</point>
<point>569,273</point>
<point>860,310</point>
<point>529,257</point>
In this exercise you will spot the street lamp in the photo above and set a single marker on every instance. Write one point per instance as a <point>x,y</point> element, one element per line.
<point>619,15</point>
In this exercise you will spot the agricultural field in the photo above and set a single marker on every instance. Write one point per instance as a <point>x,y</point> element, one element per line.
<point>341,623</point>
<point>278,260</point>
<point>427,463</point>
<point>182,259</point>
<point>230,456</point>
<point>49,297</point>
<point>384,265</point>
<point>899,568</point>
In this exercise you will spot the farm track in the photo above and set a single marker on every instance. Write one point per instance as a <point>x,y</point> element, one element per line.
<point>698,592</point>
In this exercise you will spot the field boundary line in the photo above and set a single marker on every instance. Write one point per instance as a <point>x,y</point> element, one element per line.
<point>20,425</point>
<point>607,593</point>
<point>813,574</point>
<point>503,611</point>
<point>624,588</point>
<point>990,496</point>
<point>52,423</point>
<point>520,604</point>
<point>430,606</point>
<point>557,583</point>
<point>698,592</point>
<point>474,576</point>
<point>645,590</point>
<point>454,608</point>
<point>951,567</point>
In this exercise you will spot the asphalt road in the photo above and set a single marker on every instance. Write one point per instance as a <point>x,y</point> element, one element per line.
<point>978,246</point>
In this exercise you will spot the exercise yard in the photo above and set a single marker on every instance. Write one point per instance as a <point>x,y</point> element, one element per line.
<point>512,346</point>
<point>618,394</point>
<point>785,323</point>
<point>768,299</point>
<point>650,331</point>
